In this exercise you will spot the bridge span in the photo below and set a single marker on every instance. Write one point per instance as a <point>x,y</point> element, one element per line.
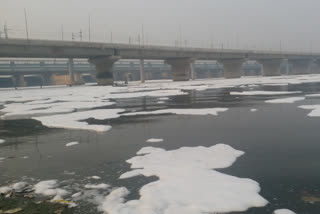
<point>104,55</point>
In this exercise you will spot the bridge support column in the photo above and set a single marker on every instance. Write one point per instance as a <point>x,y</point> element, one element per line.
<point>271,67</point>
<point>193,75</point>
<point>142,75</point>
<point>301,66</point>
<point>232,68</point>
<point>18,80</point>
<point>78,79</point>
<point>180,68</point>
<point>317,66</point>
<point>70,71</point>
<point>104,74</point>
<point>46,78</point>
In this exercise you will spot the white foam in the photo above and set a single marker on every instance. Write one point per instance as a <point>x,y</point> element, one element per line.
<point>153,93</point>
<point>18,187</point>
<point>72,144</point>
<point>22,110</point>
<point>49,188</point>
<point>131,174</point>
<point>5,190</point>
<point>2,141</point>
<point>315,110</point>
<point>283,211</point>
<point>187,183</point>
<point>253,110</point>
<point>154,140</point>
<point>164,98</point>
<point>286,100</point>
<point>251,93</point>
<point>76,195</point>
<point>276,84</point>
<point>97,186</point>
<point>68,101</point>
<point>96,177</point>
<point>313,95</point>
<point>204,111</point>
<point>72,121</point>
<point>1,159</point>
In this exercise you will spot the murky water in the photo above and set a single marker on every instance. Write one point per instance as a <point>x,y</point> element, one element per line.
<point>280,142</point>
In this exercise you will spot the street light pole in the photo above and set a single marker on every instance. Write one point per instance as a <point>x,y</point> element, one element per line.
<point>26,23</point>
<point>89,28</point>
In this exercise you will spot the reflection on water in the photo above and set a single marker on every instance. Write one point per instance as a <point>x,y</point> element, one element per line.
<point>281,144</point>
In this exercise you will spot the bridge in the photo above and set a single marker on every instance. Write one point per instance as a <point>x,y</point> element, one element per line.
<point>103,56</point>
<point>36,72</point>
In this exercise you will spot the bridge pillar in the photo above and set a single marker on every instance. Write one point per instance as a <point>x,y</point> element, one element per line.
<point>46,78</point>
<point>317,66</point>
<point>271,67</point>
<point>193,76</point>
<point>301,66</point>
<point>70,71</point>
<point>18,80</point>
<point>180,68</point>
<point>78,79</point>
<point>104,74</point>
<point>232,68</point>
<point>142,75</point>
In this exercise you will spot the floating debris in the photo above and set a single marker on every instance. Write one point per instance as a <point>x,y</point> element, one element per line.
<point>310,199</point>
<point>15,210</point>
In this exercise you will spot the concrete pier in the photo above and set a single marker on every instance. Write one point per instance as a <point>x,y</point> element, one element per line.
<point>301,66</point>
<point>180,68</point>
<point>46,78</point>
<point>142,75</point>
<point>271,67</point>
<point>317,66</point>
<point>232,68</point>
<point>18,80</point>
<point>104,74</point>
<point>193,75</point>
<point>70,71</point>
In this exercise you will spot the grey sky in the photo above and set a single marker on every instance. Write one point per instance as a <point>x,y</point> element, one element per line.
<point>256,24</point>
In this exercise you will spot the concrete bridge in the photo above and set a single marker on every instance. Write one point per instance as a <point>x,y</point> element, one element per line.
<point>104,55</point>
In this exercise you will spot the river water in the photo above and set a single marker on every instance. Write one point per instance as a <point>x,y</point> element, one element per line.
<point>281,143</point>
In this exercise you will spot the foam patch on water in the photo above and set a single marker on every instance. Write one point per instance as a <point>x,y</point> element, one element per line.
<point>313,95</point>
<point>72,144</point>
<point>5,190</point>
<point>76,195</point>
<point>276,84</point>
<point>251,93</point>
<point>286,100</point>
<point>22,109</point>
<point>253,110</point>
<point>283,211</point>
<point>96,177</point>
<point>187,183</point>
<point>49,188</point>
<point>203,111</point>
<point>73,120</point>
<point>154,93</point>
<point>65,103</point>
<point>2,141</point>
<point>154,140</point>
<point>164,98</point>
<point>315,110</point>
<point>97,186</point>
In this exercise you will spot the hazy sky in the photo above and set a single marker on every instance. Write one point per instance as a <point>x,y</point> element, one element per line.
<point>259,24</point>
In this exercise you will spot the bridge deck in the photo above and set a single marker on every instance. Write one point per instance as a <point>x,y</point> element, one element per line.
<point>71,49</point>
